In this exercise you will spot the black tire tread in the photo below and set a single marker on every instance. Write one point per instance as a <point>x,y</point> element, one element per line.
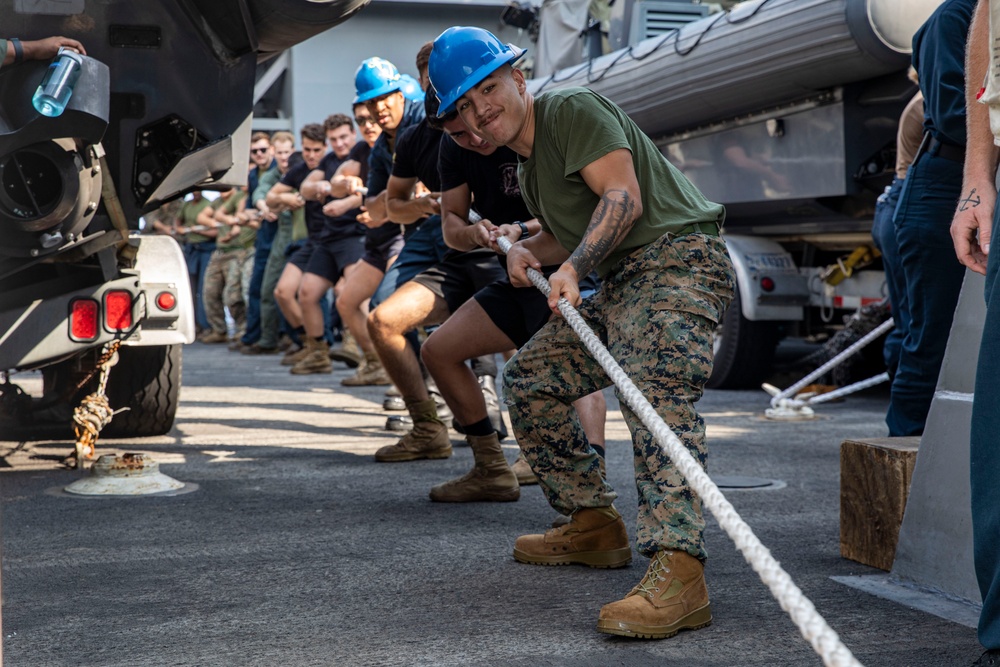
<point>746,354</point>
<point>147,380</point>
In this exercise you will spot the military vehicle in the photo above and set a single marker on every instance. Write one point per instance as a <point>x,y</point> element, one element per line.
<point>786,112</point>
<point>162,107</point>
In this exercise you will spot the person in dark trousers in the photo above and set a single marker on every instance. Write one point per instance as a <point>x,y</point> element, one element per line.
<point>262,158</point>
<point>976,222</point>
<point>932,276</point>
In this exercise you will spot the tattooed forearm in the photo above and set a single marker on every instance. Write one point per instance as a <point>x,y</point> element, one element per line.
<point>971,201</point>
<point>612,220</point>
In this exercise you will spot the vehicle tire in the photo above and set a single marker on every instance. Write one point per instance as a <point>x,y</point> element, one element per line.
<point>147,380</point>
<point>744,350</point>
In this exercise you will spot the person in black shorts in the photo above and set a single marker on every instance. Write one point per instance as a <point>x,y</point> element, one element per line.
<point>499,317</point>
<point>335,242</point>
<point>429,298</point>
<point>385,239</point>
<point>357,287</point>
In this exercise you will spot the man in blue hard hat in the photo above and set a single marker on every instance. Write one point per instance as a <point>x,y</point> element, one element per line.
<point>606,199</point>
<point>380,88</point>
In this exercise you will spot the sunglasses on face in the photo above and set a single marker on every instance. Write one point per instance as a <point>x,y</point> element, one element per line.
<point>365,121</point>
<point>258,150</point>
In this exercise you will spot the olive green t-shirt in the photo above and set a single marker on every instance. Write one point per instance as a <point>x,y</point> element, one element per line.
<point>573,128</point>
<point>296,218</point>
<point>247,235</point>
<point>189,218</point>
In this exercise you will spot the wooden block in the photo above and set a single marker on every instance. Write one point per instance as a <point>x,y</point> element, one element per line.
<point>874,482</point>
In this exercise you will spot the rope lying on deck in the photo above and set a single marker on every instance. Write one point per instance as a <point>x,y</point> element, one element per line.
<point>813,627</point>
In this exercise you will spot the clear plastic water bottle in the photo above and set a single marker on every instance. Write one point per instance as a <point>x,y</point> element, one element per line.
<point>56,87</point>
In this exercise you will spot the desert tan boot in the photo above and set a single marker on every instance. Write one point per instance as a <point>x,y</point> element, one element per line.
<point>671,597</point>
<point>490,479</point>
<point>293,357</point>
<point>523,472</point>
<point>317,361</point>
<point>370,373</point>
<point>428,439</point>
<point>594,536</point>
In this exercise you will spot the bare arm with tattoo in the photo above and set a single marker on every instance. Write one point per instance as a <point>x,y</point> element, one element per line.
<point>613,178</point>
<point>973,222</point>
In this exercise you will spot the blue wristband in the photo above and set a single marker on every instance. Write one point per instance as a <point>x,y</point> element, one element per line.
<point>18,50</point>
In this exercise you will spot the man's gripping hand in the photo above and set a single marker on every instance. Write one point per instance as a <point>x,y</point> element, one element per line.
<point>519,259</point>
<point>973,216</point>
<point>565,285</point>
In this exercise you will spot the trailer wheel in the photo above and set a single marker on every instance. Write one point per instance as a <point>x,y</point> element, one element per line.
<point>744,350</point>
<point>147,380</point>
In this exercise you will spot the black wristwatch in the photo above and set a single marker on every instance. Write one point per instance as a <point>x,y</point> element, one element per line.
<point>524,230</point>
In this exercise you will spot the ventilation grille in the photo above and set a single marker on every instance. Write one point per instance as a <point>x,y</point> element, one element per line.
<point>651,18</point>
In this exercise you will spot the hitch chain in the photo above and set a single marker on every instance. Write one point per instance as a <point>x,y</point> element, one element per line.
<point>94,412</point>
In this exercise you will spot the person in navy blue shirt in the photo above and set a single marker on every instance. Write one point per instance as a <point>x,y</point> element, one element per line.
<point>976,221</point>
<point>932,275</point>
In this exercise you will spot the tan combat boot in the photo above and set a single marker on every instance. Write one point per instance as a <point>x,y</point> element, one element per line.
<point>349,351</point>
<point>370,374</point>
<point>427,440</point>
<point>491,479</point>
<point>317,361</point>
<point>594,536</point>
<point>671,597</point>
<point>293,356</point>
<point>522,470</point>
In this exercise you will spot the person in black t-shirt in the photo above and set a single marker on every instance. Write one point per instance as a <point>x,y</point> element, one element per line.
<point>380,251</point>
<point>498,318</point>
<point>429,298</point>
<point>335,242</point>
<point>385,240</point>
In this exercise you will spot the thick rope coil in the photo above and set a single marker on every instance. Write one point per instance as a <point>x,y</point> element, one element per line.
<point>94,412</point>
<point>813,627</point>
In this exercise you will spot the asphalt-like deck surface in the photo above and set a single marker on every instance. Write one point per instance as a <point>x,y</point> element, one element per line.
<point>297,549</point>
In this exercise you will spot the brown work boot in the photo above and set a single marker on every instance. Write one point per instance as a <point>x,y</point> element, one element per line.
<point>255,348</point>
<point>214,337</point>
<point>427,440</point>
<point>295,355</point>
<point>317,361</point>
<point>671,597</point>
<point>595,536</point>
<point>522,470</point>
<point>348,352</point>
<point>370,374</point>
<point>490,479</point>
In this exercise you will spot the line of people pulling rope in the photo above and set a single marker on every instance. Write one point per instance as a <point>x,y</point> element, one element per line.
<point>584,197</point>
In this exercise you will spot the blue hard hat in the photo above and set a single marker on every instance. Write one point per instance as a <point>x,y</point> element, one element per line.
<point>462,57</point>
<point>375,77</point>
<point>411,88</point>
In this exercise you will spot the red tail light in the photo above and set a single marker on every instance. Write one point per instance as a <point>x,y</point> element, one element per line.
<point>118,310</point>
<point>83,324</point>
<point>166,301</point>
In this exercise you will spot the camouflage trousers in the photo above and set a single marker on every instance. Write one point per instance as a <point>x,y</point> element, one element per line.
<point>227,280</point>
<point>656,313</point>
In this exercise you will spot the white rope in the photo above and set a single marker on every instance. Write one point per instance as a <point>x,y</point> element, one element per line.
<point>822,370</point>
<point>812,626</point>
<point>849,389</point>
